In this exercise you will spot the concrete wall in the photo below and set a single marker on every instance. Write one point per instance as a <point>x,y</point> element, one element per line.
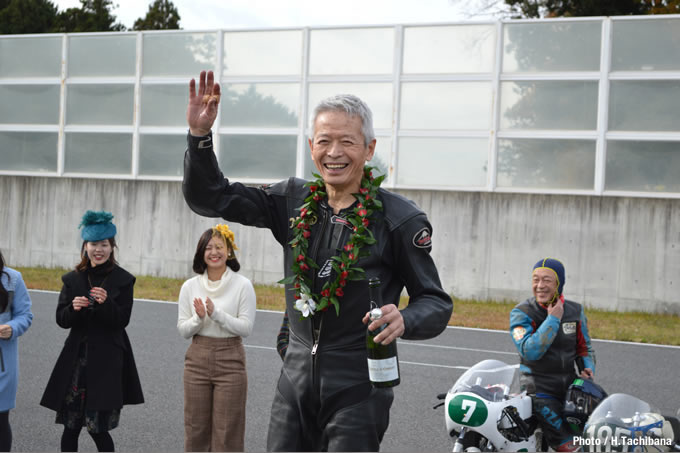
<point>620,253</point>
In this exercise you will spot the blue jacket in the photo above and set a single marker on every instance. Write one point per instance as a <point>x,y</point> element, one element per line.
<point>19,317</point>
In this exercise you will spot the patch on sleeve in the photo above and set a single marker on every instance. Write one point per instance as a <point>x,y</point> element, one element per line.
<point>423,239</point>
<point>518,333</point>
<point>569,328</point>
<point>205,143</point>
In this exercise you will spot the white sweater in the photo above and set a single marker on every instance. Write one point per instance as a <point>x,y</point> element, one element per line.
<point>234,313</point>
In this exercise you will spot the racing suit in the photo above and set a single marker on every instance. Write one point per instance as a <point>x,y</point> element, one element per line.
<point>324,399</point>
<point>549,348</point>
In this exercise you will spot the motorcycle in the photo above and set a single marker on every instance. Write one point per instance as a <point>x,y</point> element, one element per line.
<point>485,411</point>
<point>624,423</point>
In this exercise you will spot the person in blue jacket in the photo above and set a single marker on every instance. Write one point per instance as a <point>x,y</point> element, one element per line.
<point>15,319</point>
<point>551,335</point>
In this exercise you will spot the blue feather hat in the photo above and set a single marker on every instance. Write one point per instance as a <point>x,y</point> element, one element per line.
<point>97,226</point>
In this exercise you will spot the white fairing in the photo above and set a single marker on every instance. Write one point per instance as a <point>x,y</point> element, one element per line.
<point>477,400</point>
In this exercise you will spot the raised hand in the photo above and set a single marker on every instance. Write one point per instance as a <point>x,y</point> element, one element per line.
<point>202,109</point>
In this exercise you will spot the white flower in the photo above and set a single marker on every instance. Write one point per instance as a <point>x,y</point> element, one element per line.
<point>306,305</point>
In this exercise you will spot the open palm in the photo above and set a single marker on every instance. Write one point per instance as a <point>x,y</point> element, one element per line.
<point>202,108</point>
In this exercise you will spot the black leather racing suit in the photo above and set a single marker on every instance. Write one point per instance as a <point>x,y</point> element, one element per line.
<point>324,400</point>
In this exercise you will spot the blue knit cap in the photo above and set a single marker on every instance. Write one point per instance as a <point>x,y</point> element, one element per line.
<point>557,267</point>
<point>97,226</point>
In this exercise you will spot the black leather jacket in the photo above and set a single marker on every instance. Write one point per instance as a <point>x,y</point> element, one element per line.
<point>400,258</point>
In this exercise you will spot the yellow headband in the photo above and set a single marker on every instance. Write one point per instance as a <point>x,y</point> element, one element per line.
<point>226,234</point>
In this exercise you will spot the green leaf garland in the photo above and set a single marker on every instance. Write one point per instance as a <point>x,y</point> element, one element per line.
<point>344,264</point>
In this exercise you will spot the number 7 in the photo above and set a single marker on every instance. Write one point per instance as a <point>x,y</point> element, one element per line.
<point>468,404</point>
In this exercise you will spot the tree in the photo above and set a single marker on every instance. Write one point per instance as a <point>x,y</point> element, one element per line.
<point>26,16</point>
<point>93,15</point>
<point>567,8</point>
<point>162,15</point>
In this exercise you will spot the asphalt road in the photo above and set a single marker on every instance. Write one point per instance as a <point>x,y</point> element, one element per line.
<point>427,367</point>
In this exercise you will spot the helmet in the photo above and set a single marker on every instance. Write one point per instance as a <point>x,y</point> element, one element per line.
<point>582,397</point>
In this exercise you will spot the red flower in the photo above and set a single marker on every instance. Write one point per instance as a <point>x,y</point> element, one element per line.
<point>363,190</point>
<point>368,198</point>
<point>342,265</point>
<point>360,206</point>
<point>348,247</point>
<point>339,292</point>
<point>300,257</point>
<point>306,234</point>
<point>297,285</point>
<point>303,212</point>
<point>325,293</point>
<point>304,267</point>
<point>351,256</point>
<point>342,282</point>
<point>313,188</point>
<point>365,222</point>
<point>297,295</point>
<point>362,212</point>
<point>344,275</point>
<point>355,229</point>
<point>317,197</point>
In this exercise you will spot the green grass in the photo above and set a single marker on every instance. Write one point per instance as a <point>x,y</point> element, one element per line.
<point>606,325</point>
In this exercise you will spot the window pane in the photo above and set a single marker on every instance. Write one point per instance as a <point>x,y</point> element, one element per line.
<point>260,104</point>
<point>29,104</point>
<point>646,45</point>
<point>98,153</point>
<point>164,105</point>
<point>556,46</point>
<point>178,54</point>
<point>30,57</point>
<point>352,51</point>
<point>100,104</point>
<point>546,163</point>
<point>643,165</point>
<point>258,156</point>
<point>457,161</point>
<point>549,105</point>
<point>28,151</point>
<point>101,55</point>
<point>446,105</point>
<point>161,155</point>
<point>378,97</point>
<point>649,105</point>
<point>243,53</point>
<point>449,49</point>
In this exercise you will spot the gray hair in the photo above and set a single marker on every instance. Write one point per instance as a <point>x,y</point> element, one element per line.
<point>352,106</point>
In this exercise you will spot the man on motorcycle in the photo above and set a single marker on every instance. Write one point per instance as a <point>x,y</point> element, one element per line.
<point>551,335</point>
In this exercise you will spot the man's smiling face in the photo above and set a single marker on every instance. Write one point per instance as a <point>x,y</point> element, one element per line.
<point>338,149</point>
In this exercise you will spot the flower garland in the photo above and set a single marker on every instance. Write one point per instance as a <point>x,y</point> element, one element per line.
<point>307,302</point>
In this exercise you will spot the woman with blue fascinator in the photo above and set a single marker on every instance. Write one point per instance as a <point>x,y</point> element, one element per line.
<point>95,374</point>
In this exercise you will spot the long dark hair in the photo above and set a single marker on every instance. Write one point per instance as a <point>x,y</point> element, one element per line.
<point>85,260</point>
<point>4,294</point>
<point>199,257</point>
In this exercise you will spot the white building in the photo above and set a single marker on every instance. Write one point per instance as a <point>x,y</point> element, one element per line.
<point>520,139</point>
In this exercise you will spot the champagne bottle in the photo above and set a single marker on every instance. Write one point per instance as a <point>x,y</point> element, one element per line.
<point>383,364</point>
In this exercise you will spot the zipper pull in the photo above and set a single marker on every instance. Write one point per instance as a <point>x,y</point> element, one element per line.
<point>316,345</point>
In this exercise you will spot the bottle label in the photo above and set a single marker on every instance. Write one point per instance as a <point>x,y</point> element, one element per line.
<point>383,370</point>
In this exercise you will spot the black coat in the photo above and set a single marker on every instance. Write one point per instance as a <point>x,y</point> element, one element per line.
<point>112,378</point>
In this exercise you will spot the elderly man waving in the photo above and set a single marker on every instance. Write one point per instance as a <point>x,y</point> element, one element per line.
<point>336,232</point>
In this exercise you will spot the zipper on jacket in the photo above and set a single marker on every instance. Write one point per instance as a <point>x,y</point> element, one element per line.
<point>2,361</point>
<point>316,336</point>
